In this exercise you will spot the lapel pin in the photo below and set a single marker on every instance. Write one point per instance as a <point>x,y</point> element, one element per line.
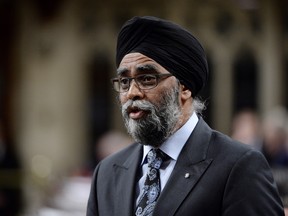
<point>187,175</point>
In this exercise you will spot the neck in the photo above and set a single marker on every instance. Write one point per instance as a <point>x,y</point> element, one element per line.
<point>182,120</point>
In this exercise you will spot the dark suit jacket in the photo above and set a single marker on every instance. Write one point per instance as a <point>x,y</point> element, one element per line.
<point>226,178</point>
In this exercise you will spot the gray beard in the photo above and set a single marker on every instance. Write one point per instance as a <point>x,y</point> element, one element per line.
<point>160,122</point>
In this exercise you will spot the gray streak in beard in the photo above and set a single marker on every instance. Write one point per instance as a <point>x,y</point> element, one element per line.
<point>160,122</point>
<point>142,105</point>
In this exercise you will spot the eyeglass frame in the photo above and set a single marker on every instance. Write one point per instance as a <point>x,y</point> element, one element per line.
<point>158,77</point>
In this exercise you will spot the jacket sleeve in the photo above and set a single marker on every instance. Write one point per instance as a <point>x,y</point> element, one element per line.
<point>251,189</point>
<point>92,206</point>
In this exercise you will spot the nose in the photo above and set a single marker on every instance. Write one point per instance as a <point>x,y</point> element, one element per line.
<point>134,91</point>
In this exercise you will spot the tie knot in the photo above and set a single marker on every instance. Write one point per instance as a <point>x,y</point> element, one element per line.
<point>155,158</point>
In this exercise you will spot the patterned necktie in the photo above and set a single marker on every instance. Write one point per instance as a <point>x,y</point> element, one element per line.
<point>151,189</point>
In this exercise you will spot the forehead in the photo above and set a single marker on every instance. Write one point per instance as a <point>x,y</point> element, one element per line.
<point>134,62</point>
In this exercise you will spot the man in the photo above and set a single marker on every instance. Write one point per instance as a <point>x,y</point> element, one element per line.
<point>161,69</point>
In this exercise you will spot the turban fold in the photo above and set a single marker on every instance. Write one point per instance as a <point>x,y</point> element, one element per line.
<point>168,44</point>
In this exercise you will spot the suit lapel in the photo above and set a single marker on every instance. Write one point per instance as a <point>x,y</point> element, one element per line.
<point>191,165</point>
<point>125,178</point>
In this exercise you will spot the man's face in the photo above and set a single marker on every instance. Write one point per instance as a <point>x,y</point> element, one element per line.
<point>150,116</point>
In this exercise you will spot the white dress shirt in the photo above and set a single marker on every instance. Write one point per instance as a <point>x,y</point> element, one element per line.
<point>172,147</point>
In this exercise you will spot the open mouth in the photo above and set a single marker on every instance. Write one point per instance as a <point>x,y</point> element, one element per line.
<point>136,113</point>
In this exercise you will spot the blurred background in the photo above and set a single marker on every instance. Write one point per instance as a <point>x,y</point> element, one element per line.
<point>59,115</point>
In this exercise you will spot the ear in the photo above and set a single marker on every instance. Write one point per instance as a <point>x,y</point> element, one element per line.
<point>185,93</point>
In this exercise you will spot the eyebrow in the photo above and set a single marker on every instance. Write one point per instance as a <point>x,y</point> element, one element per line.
<point>147,67</point>
<point>141,69</point>
<point>121,71</point>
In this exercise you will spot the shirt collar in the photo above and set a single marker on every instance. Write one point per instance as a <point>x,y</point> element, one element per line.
<point>175,143</point>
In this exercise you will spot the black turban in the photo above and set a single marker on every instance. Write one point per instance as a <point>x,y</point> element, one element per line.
<point>167,43</point>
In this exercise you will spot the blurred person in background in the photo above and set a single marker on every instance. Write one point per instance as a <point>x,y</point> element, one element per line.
<point>274,145</point>
<point>111,142</point>
<point>275,148</point>
<point>178,164</point>
<point>246,128</point>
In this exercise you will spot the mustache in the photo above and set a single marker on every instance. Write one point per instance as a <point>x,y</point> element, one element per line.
<point>137,104</point>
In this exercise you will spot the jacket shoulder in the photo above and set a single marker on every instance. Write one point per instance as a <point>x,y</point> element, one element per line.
<point>227,144</point>
<point>122,155</point>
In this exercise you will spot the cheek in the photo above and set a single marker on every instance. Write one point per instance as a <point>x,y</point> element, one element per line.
<point>156,98</point>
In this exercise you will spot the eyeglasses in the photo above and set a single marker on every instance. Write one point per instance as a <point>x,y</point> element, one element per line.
<point>143,81</point>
